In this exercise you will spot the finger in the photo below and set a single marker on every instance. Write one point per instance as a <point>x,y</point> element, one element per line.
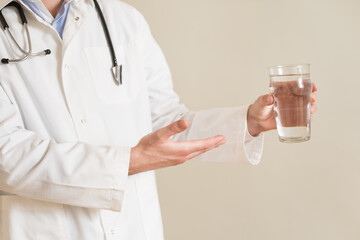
<point>172,129</point>
<point>314,89</point>
<point>313,109</point>
<point>266,100</point>
<point>313,97</point>
<point>189,147</point>
<point>195,154</point>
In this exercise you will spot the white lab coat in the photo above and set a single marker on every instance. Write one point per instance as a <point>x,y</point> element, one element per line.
<point>66,129</point>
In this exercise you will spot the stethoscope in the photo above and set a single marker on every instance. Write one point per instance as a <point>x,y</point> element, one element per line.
<point>116,69</point>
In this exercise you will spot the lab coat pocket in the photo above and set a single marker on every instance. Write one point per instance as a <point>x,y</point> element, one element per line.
<point>100,67</point>
<point>22,218</point>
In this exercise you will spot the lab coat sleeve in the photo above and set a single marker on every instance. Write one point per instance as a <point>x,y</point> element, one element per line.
<point>73,173</point>
<point>165,109</point>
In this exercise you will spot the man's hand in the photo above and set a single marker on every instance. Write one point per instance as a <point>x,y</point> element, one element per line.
<point>261,115</point>
<point>157,150</point>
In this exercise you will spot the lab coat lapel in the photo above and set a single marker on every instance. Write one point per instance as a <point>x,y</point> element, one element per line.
<point>79,12</point>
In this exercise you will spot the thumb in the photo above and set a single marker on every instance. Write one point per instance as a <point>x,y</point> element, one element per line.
<point>172,129</point>
<point>266,100</point>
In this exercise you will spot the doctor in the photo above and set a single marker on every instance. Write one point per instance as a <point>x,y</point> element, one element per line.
<point>78,149</point>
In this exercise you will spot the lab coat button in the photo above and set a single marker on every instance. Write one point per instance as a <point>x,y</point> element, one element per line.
<point>83,121</point>
<point>66,66</point>
<point>77,18</point>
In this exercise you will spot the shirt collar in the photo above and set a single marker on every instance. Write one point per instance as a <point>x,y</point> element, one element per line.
<point>44,12</point>
<point>41,1</point>
<point>3,3</point>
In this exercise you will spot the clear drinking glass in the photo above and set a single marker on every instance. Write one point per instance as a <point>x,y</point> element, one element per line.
<point>291,87</point>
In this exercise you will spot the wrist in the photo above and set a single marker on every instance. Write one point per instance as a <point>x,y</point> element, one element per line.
<point>254,128</point>
<point>134,155</point>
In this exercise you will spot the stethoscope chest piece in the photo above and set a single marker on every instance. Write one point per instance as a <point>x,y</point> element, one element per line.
<point>117,73</point>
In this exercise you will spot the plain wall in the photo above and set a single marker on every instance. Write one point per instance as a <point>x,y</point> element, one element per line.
<point>219,51</point>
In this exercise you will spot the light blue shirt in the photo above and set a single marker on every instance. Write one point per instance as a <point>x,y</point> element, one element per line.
<point>58,22</point>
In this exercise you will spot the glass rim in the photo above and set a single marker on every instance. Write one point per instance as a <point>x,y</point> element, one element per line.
<point>290,65</point>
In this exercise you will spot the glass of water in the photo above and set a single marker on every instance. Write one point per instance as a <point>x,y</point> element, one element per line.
<point>291,87</point>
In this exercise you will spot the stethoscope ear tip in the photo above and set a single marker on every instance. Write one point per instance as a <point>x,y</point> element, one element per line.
<point>5,61</point>
<point>47,51</point>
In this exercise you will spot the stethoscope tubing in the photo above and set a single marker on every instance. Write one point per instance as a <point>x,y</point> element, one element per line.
<point>107,34</point>
<point>116,69</point>
<point>6,28</point>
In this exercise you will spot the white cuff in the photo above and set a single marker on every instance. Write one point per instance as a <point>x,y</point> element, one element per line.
<point>120,173</point>
<point>253,145</point>
<point>230,122</point>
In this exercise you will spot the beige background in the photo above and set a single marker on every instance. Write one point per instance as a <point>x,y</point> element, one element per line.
<point>219,51</point>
